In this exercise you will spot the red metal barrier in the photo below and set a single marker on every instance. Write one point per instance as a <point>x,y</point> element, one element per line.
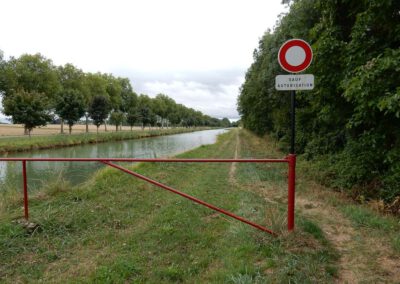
<point>291,160</point>
<point>26,205</point>
<point>291,190</point>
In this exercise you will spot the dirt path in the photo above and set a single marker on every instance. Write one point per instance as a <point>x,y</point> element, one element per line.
<point>232,170</point>
<point>364,256</point>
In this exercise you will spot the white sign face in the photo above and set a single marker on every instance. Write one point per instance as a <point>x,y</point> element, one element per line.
<point>295,55</point>
<point>294,82</point>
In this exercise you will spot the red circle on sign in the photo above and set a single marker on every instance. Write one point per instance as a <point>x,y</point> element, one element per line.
<point>295,43</point>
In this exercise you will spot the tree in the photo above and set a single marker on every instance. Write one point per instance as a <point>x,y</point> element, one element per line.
<point>132,117</point>
<point>160,105</point>
<point>99,109</point>
<point>3,65</point>
<point>114,90</point>
<point>70,106</point>
<point>144,110</point>
<point>32,73</point>
<point>72,78</point>
<point>117,117</point>
<point>144,115</point>
<point>28,108</point>
<point>225,122</point>
<point>128,96</point>
<point>96,85</point>
<point>348,123</point>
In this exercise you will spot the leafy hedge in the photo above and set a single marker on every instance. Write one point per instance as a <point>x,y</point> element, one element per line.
<point>349,125</point>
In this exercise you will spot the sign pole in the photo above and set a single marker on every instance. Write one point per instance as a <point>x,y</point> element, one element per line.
<point>292,164</point>
<point>294,56</point>
<point>293,121</point>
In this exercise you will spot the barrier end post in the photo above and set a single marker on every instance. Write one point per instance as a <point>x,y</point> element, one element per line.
<point>26,205</point>
<point>291,190</point>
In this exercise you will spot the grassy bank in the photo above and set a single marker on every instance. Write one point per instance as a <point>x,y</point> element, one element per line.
<point>19,144</point>
<point>117,229</point>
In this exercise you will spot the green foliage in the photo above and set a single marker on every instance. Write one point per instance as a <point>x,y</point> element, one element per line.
<point>225,122</point>
<point>70,106</point>
<point>28,108</point>
<point>350,120</point>
<point>117,117</point>
<point>37,74</point>
<point>132,117</point>
<point>32,73</point>
<point>99,109</point>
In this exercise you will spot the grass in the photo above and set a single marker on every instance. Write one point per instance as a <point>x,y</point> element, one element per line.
<point>365,218</point>
<point>117,229</point>
<point>19,144</point>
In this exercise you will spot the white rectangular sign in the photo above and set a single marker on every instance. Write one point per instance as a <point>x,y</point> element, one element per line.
<point>294,82</point>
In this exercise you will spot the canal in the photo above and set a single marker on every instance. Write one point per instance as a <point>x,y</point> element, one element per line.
<point>40,173</point>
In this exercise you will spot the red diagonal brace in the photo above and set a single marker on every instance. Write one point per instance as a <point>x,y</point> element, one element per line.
<point>194,199</point>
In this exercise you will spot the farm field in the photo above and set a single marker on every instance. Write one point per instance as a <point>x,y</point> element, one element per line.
<point>18,129</point>
<point>117,229</point>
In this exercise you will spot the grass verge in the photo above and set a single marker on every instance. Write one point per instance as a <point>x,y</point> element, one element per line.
<point>117,229</point>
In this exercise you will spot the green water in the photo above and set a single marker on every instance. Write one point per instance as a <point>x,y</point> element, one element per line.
<point>77,172</point>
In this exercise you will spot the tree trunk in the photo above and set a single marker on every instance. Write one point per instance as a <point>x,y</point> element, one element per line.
<point>97,129</point>
<point>25,131</point>
<point>131,128</point>
<point>105,126</point>
<point>116,127</point>
<point>87,123</point>
<point>70,129</point>
<point>62,126</point>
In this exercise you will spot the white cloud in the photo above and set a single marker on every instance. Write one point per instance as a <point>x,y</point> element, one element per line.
<point>218,101</point>
<point>136,38</point>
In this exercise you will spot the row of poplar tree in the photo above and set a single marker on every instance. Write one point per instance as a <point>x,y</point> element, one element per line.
<point>349,125</point>
<point>35,91</point>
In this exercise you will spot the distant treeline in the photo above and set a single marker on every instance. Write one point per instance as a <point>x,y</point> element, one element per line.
<point>349,125</point>
<point>35,92</point>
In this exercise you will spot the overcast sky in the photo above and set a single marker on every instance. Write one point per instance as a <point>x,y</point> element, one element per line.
<point>195,51</point>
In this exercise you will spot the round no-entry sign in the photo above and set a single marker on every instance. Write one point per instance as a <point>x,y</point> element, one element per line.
<point>295,55</point>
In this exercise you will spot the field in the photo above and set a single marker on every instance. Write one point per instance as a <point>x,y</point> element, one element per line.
<point>18,129</point>
<point>117,229</point>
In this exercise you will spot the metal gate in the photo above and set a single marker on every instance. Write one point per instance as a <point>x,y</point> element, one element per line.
<point>290,160</point>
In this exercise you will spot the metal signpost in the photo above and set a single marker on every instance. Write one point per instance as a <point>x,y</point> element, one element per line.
<point>294,56</point>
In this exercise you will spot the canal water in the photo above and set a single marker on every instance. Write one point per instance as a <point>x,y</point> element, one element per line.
<point>40,173</point>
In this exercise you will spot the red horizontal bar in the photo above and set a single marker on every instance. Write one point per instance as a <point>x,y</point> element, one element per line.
<point>194,199</point>
<point>146,160</point>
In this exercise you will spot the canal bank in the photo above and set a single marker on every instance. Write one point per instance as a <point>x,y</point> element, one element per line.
<point>77,172</point>
<point>26,143</point>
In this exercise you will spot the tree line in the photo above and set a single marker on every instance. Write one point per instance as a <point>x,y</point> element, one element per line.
<point>35,92</point>
<point>349,124</point>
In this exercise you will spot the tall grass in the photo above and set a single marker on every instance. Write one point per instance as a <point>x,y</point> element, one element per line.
<point>116,229</point>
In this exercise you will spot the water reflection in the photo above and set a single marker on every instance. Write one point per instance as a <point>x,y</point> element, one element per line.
<point>77,172</point>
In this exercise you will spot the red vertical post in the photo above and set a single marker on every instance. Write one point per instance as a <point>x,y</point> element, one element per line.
<point>25,190</point>
<point>291,190</point>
